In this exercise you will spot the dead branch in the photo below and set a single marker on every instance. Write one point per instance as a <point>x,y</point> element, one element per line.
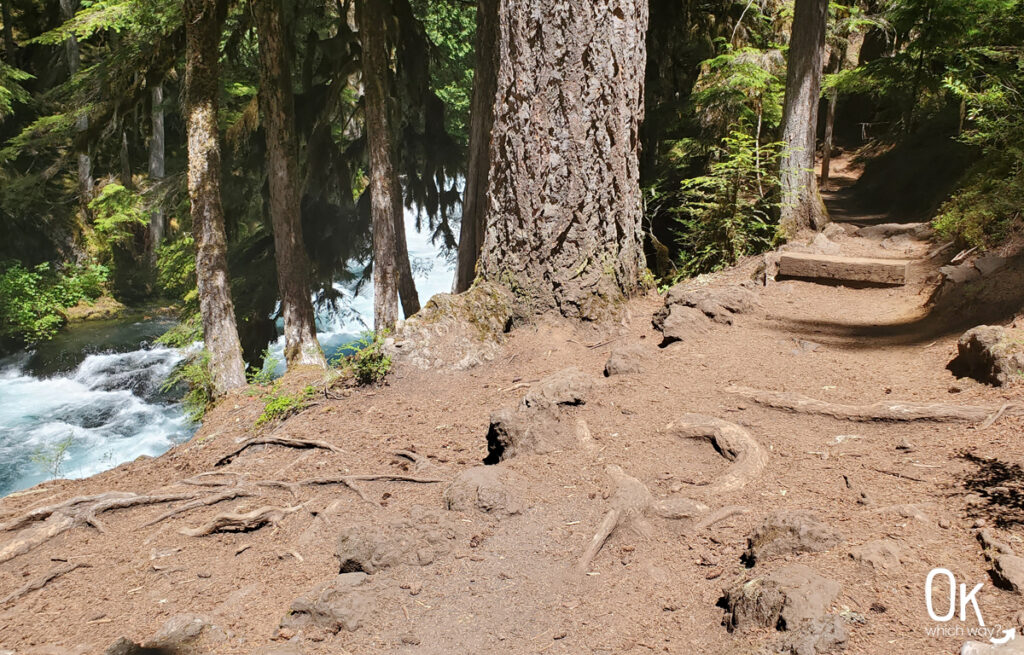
<point>880,411</point>
<point>235,522</point>
<point>276,441</point>
<point>42,581</point>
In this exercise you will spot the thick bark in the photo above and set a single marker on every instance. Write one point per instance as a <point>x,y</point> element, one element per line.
<point>563,226</point>
<point>10,48</point>
<point>372,33</point>
<point>204,169</point>
<point>156,165</point>
<point>277,107</point>
<point>481,120</point>
<point>801,203</point>
<point>74,57</point>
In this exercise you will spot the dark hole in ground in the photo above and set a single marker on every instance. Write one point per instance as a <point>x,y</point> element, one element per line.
<point>351,566</point>
<point>1001,485</point>
<point>495,447</point>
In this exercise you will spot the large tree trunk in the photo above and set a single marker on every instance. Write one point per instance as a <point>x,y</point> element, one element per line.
<point>481,120</point>
<point>278,109</point>
<point>372,33</point>
<point>202,34</point>
<point>10,49</point>
<point>563,225</point>
<point>801,203</point>
<point>156,166</point>
<point>74,57</point>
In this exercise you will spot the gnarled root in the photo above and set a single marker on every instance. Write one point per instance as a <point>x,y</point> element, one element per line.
<point>880,411</point>
<point>733,442</point>
<point>42,581</point>
<point>276,441</point>
<point>234,522</point>
<point>79,511</point>
<point>629,500</point>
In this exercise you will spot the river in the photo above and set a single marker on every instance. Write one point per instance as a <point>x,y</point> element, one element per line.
<point>93,396</point>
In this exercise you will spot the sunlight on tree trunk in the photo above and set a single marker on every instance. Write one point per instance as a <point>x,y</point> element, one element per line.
<point>201,90</point>
<point>564,220</point>
<point>156,165</point>
<point>801,203</point>
<point>278,114</point>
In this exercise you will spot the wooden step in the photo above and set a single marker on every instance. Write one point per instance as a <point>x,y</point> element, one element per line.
<point>843,269</point>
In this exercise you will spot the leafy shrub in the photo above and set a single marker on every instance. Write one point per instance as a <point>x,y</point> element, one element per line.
<point>367,361</point>
<point>185,333</point>
<point>176,271</point>
<point>117,211</point>
<point>194,374</point>
<point>985,211</point>
<point>281,406</point>
<point>32,300</point>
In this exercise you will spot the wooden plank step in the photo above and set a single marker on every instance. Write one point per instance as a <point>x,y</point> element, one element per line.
<point>846,269</point>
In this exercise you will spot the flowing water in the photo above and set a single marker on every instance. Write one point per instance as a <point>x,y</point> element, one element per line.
<point>92,398</point>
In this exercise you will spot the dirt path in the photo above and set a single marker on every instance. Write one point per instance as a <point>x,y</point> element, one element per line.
<point>468,581</point>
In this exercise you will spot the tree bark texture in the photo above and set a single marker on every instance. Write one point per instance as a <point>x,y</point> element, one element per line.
<point>202,38</point>
<point>277,106</point>
<point>563,226</point>
<point>406,284</point>
<point>801,203</point>
<point>481,120</point>
<point>74,57</point>
<point>372,34</point>
<point>10,48</point>
<point>157,168</point>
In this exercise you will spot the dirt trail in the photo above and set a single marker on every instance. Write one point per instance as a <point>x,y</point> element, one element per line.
<point>630,457</point>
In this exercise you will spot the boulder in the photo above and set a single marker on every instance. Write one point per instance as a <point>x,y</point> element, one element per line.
<point>1007,567</point>
<point>991,354</point>
<point>1013,647</point>
<point>683,323</point>
<point>369,547</point>
<point>184,633</point>
<point>569,386</point>
<point>880,554</point>
<point>341,603</point>
<point>794,599</point>
<point>484,489</point>
<point>789,533</point>
<point>718,303</point>
<point>625,360</point>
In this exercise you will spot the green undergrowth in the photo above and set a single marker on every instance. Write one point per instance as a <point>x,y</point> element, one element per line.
<point>366,359</point>
<point>280,405</point>
<point>194,376</point>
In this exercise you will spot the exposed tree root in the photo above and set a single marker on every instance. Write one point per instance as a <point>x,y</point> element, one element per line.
<point>230,494</point>
<point>234,522</point>
<point>733,442</point>
<point>352,482</point>
<point>880,411</point>
<point>53,520</point>
<point>42,581</point>
<point>276,441</point>
<point>631,501</point>
<point>419,462</point>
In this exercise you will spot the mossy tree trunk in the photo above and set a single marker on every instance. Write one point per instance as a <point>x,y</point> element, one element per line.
<point>801,202</point>
<point>481,120</point>
<point>563,224</point>
<point>277,107</point>
<point>74,59</point>
<point>157,221</point>
<point>202,40</point>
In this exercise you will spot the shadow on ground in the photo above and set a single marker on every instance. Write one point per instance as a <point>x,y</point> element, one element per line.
<point>1001,486</point>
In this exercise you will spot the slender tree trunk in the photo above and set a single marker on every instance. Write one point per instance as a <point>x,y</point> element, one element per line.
<point>481,120</point>
<point>278,109</point>
<point>10,48</point>
<point>202,32</point>
<point>156,166</point>
<point>406,284</point>
<point>74,57</point>
<point>801,203</point>
<point>372,33</point>
<point>826,146</point>
<point>126,160</point>
<point>564,216</point>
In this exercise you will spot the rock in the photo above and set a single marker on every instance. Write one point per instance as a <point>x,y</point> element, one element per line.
<point>990,353</point>
<point>790,533</point>
<point>901,242</point>
<point>793,599</point>
<point>886,230</point>
<point>569,386</point>
<point>821,245</point>
<point>959,274</point>
<point>834,231</point>
<point>368,547</point>
<point>1007,568</point>
<point>719,304</point>
<point>536,425</point>
<point>881,554</point>
<point>1013,647</point>
<point>123,646</point>
<point>184,632</point>
<point>332,605</point>
<point>989,264</point>
<point>625,360</point>
<point>482,488</point>
<point>683,323</point>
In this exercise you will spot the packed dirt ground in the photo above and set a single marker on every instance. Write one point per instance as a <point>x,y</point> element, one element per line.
<point>499,562</point>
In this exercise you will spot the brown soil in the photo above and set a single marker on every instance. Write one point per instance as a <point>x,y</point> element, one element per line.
<point>509,584</point>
